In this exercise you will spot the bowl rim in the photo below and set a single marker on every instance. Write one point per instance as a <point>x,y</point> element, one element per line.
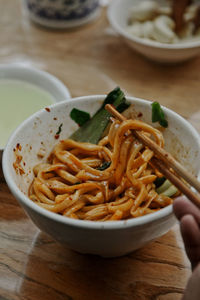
<point>93,225</point>
<point>18,72</point>
<point>142,41</point>
<point>9,70</point>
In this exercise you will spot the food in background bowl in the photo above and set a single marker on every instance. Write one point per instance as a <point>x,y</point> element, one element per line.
<point>165,23</point>
<point>119,15</point>
<point>32,143</point>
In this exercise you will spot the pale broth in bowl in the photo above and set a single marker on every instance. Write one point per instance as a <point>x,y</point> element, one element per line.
<point>18,100</point>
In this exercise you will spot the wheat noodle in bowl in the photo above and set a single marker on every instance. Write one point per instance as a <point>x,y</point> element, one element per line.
<point>113,180</point>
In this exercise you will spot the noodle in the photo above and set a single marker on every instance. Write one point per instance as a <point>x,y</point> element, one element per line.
<point>75,182</point>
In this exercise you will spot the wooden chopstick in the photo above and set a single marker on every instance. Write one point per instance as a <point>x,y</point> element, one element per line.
<point>162,154</point>
<point>195,198</point>
<point>164,161</point>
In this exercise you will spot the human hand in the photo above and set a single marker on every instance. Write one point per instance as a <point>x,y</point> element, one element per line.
<point>192,291</point>
<point>189,216</point>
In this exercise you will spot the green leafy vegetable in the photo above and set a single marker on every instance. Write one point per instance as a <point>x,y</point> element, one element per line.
<point>159,181</point>
<point>172,190</point>
<point>158,115</point>
<point>163,187</point>
<point>167,188</point>
<point>93,129</point>
<point>123,106</point>
<point>104,166</point>
<point>79,116</point>
<point>78,182</point>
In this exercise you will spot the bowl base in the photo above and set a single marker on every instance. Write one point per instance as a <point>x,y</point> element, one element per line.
<point>64,24</point>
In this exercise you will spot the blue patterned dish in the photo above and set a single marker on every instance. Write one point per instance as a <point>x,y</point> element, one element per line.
<point>62,13</point>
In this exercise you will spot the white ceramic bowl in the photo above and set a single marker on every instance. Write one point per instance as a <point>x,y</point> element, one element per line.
<point>38,78</point>
<point>109,239</point>
<point>118,15</point>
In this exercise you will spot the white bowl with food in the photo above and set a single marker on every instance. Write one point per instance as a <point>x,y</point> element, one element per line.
<point>148,28</point>
<point>87,196</point>
<point>23,91</point>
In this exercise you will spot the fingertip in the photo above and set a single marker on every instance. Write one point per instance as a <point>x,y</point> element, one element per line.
<point>182,206</point>
<point>190,230</point>
<point>178,205</point>
<point>191,236</point>
<point>187,220</point>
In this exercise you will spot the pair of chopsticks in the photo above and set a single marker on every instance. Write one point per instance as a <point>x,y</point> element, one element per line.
<point>164,161</point>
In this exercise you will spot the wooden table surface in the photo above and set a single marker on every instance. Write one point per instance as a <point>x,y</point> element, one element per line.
<point>90,60</point>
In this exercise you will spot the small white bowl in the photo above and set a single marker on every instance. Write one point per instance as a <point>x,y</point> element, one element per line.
<point>62,14</point>
<point>38,79</point>
<point>118,15</point>
<point>108,239</point>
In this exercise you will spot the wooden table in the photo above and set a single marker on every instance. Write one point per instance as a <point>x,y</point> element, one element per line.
<point>90,60</point>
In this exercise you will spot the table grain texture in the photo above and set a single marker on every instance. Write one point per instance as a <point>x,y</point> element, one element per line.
<point>90,60</point>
